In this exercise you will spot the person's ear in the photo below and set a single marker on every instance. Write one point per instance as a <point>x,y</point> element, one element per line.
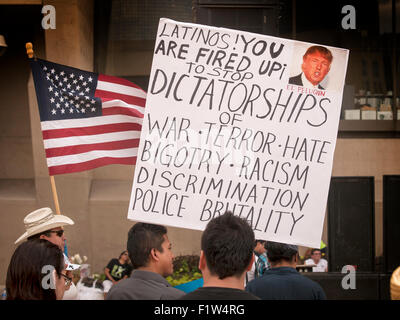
<point>202,261</point>
<point>42,236</point>
<point>154,255</point>
<point>251,263</point>
<point>302,64</point>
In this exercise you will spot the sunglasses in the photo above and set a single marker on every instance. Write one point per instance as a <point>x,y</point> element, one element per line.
<point>59,233</point>
<point>67,279</point>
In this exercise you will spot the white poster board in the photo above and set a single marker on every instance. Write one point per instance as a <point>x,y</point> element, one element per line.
<point>224,130</point>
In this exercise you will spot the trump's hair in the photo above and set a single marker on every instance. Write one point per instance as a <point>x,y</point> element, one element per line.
<point>325,52</point>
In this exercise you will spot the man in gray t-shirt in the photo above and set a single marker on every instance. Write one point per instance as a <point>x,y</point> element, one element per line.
<point>150,252</point>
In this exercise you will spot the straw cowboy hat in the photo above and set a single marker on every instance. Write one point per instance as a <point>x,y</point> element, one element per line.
<point>42,220</point>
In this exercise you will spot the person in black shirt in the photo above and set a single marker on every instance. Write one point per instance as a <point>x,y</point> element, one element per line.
<point>282,281</point>
<point>226,255</point>
<point>117,270</point>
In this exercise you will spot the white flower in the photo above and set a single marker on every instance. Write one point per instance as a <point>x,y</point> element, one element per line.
<point>77,258</point>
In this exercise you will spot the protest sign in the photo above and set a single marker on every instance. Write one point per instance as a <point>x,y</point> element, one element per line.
<point>225,130</point>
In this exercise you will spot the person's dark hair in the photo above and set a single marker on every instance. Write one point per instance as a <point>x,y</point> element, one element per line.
<point>228,244</point>
<point>122,253</point>
<point>325,52</point>
<point>280,251</point>
<point>313,250</point>
<point>263,242</point>
<point>24,274</point>
<point>142,238</point>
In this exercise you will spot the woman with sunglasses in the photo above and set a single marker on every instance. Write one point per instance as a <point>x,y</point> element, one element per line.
<point>37,272</point>
<point>44,224</point>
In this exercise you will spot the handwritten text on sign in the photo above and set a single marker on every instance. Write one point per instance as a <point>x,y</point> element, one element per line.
<point>224,130</point>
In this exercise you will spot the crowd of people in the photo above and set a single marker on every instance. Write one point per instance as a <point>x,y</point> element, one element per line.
<point>234,265</point>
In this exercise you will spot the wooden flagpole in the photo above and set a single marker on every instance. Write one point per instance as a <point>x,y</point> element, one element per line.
<point>31,54</point>
<point>55,196</point>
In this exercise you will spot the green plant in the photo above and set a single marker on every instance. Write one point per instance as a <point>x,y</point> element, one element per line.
<point>186,268</point>
<point>99,277</point>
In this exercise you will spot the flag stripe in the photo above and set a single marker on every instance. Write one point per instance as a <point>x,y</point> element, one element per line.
<point>91,155</point>
<point>98,138</point>
<point>88,122</point>
<point>106,78</point>
<point>120,88</point>
<point>113,145</point>
<point>119,103</point>
<point>88,165</point>
<point>127,98</point>
<point>84,131</point>
<point>120,110</point>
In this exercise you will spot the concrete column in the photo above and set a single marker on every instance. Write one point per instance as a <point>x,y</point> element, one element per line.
<point>71,43</point>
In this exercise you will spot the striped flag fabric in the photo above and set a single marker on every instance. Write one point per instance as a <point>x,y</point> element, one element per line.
<point>88,120</point>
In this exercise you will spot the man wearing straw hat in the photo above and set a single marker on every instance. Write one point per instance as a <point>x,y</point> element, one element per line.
<point>44,224</point>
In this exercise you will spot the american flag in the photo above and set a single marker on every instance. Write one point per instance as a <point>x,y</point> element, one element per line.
<point>88,120</point>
